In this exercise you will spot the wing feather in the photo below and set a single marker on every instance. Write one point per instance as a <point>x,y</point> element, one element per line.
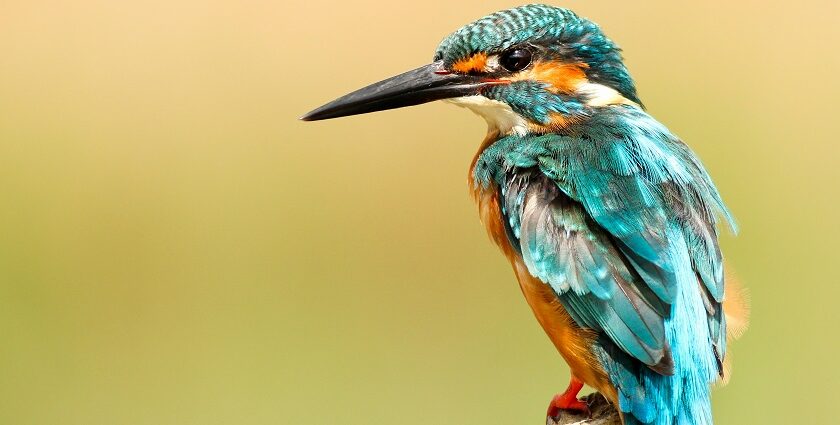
<point>564,247</point>
<point>612,219</point>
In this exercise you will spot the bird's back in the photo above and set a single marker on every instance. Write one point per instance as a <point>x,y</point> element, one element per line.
<point>616,217</point>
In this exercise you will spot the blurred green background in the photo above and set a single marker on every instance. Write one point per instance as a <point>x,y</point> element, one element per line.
<point>176,248</point>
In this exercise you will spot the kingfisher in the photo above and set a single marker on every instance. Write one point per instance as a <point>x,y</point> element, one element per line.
<point>609,220</point>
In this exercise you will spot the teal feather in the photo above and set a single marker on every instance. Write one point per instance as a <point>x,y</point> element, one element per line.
<point>563,246</point>
<point>532,100</point>
<point>618,217</point>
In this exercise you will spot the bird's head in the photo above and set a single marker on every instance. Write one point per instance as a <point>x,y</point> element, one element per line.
<point>531,69</point>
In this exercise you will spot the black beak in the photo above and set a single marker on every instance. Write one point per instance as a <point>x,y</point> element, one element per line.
<point>424,84</point>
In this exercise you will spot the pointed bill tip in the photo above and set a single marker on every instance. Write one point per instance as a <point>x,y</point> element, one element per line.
<point>324,112</point>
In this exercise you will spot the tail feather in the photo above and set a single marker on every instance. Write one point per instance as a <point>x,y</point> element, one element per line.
<point>646,397</point>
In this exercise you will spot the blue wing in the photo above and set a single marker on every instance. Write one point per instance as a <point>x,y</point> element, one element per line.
<point>613,219</point>
<point>619,219</point>
<point>564,247</point>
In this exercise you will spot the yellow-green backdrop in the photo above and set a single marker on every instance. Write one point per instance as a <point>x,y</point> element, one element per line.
<point>176,248</point>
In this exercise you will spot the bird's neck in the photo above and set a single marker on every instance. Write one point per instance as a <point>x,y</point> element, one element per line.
<point>552,113</point>
<point>501,151</point>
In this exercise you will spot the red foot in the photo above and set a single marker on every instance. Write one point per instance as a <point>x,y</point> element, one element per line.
<point>568,400</point>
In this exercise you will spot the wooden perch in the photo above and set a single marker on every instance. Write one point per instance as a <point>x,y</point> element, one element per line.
<point>601,413</point>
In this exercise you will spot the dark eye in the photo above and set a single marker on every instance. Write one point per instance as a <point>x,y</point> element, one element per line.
<point>515,59</point>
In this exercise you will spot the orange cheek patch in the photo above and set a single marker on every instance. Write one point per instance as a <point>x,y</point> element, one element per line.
<point>563,77</point>
<point>474,63</point>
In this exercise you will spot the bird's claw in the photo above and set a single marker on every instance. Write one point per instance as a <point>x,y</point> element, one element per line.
<point>568,402</point>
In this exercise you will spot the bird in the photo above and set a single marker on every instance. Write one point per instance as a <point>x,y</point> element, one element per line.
<point>609,220</point>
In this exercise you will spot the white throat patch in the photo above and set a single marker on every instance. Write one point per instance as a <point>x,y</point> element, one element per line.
<point>499,115</point>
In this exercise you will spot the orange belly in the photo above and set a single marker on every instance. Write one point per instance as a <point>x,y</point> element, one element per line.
<point>572,341</point>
